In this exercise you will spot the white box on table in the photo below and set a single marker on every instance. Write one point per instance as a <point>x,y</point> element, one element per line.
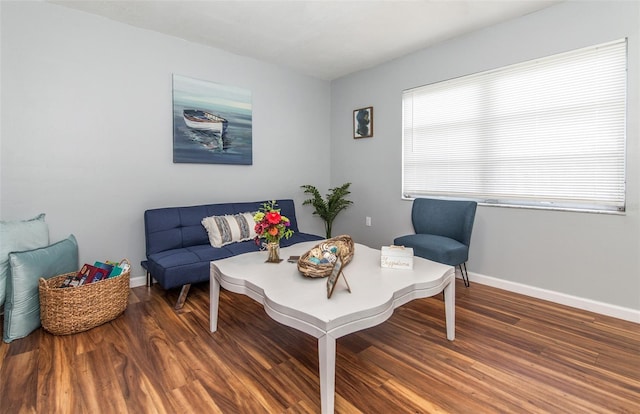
<point>396,257</point>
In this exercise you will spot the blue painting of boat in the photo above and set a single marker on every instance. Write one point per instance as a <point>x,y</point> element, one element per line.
<point>212,123</point>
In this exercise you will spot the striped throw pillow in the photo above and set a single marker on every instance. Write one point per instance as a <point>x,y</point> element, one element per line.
<point>223,230</point>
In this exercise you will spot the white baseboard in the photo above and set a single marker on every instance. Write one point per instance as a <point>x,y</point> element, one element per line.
<point>627,314</point>
<point>615,311</point>
<point>137,281</point>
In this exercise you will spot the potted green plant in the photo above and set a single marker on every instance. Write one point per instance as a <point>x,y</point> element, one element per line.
<point>328,209</point>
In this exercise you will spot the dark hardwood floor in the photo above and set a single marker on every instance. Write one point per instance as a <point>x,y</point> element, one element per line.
<point>512,354</point>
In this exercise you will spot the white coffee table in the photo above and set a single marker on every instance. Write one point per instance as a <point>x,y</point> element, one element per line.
<point>301,302</point>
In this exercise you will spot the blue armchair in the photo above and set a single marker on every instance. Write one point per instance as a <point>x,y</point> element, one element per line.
<point>443,231</point>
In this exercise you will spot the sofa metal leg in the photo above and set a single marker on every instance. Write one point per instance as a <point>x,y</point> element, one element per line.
<point>183,296</point>
<point>463,272</point>
<point>149,280</point>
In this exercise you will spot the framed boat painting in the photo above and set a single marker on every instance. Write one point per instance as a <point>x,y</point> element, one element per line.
<point>212,123</point>
<point>363,122</point>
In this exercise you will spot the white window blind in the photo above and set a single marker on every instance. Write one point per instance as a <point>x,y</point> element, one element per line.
<point>546,133</point>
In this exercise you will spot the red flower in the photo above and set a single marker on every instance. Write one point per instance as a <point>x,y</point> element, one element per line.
<point>270,224</point>
<point>273,217</point>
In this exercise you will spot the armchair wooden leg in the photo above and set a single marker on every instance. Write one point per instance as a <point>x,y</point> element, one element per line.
<point>463,272</point>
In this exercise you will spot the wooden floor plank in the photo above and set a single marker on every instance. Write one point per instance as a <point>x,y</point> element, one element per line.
<point>19,379</point>
<point>54,376</point>
<point>194,391</point>
<point>512,354</point>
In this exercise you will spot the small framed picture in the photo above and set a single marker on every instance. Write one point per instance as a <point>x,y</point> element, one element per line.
<point>333,277</point>
<point>332,280</point>
<point>363,122</point>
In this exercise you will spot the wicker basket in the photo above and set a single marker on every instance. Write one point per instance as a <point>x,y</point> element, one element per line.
<point>71,310</point>
<point>309,269</point>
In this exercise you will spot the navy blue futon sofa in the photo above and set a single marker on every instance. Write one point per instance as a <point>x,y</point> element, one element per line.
<point>177,244</point>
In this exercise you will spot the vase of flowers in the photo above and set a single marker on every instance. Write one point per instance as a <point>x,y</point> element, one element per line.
<point>271,226</point>
<point>273,248</point>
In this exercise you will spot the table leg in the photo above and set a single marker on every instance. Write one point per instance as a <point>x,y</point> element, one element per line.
<point>450,309</point>
<point>214,301</point>
<point>327,359</point>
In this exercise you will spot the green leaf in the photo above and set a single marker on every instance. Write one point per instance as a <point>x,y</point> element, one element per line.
<point>329,209</point>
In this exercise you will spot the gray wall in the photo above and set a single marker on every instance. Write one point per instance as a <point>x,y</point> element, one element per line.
<point>87,128</point>
<point>590,256</point>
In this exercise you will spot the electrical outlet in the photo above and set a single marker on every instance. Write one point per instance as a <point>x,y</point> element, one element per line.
<point>368,221</point>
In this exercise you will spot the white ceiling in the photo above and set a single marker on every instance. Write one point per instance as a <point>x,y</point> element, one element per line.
<point>325,39</point>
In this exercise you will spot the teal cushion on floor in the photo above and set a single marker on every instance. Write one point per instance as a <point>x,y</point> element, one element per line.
<point>18,236</point>
<point>22,307</point>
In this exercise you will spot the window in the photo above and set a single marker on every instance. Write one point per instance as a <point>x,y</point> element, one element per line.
<point>548,133</point>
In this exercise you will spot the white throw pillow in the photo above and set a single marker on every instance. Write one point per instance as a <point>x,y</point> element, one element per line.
<point>228,229</point>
